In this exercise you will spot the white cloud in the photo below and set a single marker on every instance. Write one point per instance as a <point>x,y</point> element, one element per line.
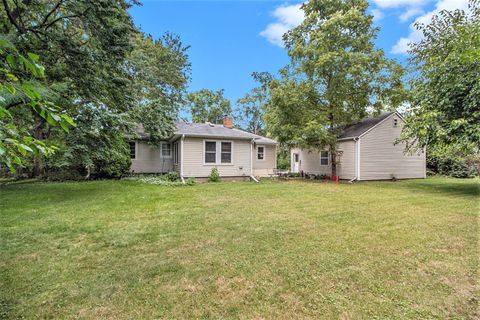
<point>402,45</point>
<point>377,14</point>
<point>410,13</point>
<point>399,3</point>
<point>288,17</point>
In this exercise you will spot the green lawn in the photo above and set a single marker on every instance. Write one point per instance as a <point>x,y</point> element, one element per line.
<point>124,250</point>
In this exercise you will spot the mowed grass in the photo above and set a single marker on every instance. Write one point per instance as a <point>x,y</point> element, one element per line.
<point>124,250</point>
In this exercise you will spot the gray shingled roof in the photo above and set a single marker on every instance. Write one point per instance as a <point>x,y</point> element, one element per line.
<point>218,131</point>
<point>356,129</point>
<point>212,130</point>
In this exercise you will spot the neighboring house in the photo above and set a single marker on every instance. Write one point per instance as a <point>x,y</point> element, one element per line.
<point>195,148</point>
<point>366,151</point>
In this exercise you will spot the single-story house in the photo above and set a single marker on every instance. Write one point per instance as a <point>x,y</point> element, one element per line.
<point>195,148</point>
<point>366,151</point>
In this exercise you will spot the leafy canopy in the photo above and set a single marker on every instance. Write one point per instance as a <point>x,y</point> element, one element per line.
<point>21,84</point>
<point>251,108</point>
<point>208,106</point>
<point>336,76</point>
<point>445,106</point>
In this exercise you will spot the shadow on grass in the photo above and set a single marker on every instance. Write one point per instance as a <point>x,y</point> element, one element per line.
<point>468,188</point>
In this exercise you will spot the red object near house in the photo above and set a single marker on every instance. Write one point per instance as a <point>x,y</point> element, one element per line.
<point>336,178</point>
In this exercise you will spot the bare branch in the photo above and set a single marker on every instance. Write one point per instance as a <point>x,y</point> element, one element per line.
<point>51,12</point>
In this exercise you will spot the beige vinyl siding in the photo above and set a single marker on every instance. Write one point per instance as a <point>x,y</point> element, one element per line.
<point>148,159</point>
<point>193,159</point>
<point>310,161</point>
<point>380,158</point>
<point>267,166</point>
<point>346,167</point>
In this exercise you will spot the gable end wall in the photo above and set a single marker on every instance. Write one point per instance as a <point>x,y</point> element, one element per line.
<point>380,158</point>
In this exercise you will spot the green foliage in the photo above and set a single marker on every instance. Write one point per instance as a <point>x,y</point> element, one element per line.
<point>336,75</point>
<point>251,108</point>
<point>445,106</point>
<point>283,158</point>
<point>95,57</point>
<point>21,85</point>
<point>450,162</point>
<point>98,145</point>
<point>170,179</point>
<point>208,106</point>
<point>214,175</point>
<point>172,176</point>
<point>160,73</point>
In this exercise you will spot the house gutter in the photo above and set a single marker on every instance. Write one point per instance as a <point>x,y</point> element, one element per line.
<point>357,159</point>
<point>181,158</point>
<point>251,161</point>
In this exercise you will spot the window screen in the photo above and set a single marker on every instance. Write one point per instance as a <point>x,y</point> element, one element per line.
<point>226,156</point>
<point>324,158</point>
<point>260,153</point>
<point>210,152</point>
<point>133,150</point>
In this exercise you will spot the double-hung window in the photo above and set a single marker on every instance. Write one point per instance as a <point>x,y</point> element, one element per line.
<point>218,152</point>
<point>260,153</point>
<point>324,158</point>
<point>133,149</point>
<point>226,156</point>
<point>165,150</point>
<point>210,152</point>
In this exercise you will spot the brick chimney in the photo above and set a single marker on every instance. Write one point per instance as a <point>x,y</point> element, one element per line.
<point>228,122</point>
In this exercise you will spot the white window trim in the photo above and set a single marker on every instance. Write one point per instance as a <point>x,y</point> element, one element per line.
<point>136,150</point>
<point>264,153</point>
<point>218,153</point>
<point>328,158</point>
<point>161,150</point>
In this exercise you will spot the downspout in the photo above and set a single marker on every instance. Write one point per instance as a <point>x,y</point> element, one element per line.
<point>251,162</point>
<point>181,158</point>
<point>357,161</point>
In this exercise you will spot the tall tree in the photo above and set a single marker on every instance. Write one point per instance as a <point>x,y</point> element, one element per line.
<point>336,76</point>
<point>251,108</point>
<point>83,45</point>
<point>160,71</point>
<point>445,106</point>
<point>208,106</point>
<point>21,84</point>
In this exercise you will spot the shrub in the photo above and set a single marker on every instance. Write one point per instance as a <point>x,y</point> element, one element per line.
<point>162,180</point>
<point>214,175</point>
<point>190,181</point>
<point>172,176</point>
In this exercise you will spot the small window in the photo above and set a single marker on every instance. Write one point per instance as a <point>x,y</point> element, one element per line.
<point>165,150</point>
<point>260,153</point>
<point>226,156</point>
<point>133,149</point>
<point>175,152</point>
<point>296,157</point>
<point>324,155</point>
<point>210,152</point>
<point>395,122</point>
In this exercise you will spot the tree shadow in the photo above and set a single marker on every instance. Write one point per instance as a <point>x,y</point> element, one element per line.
<point>468,188</point>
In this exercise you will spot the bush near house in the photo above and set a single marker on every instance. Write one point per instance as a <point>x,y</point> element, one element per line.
<point>214,175</point>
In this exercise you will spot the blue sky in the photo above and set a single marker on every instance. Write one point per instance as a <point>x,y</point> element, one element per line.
<point>231,39</point>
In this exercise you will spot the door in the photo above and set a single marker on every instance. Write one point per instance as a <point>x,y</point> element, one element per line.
<point>296,162</point>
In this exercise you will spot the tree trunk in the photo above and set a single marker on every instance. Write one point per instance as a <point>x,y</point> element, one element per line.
<point>333,157</point>
<point>38,164</point>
